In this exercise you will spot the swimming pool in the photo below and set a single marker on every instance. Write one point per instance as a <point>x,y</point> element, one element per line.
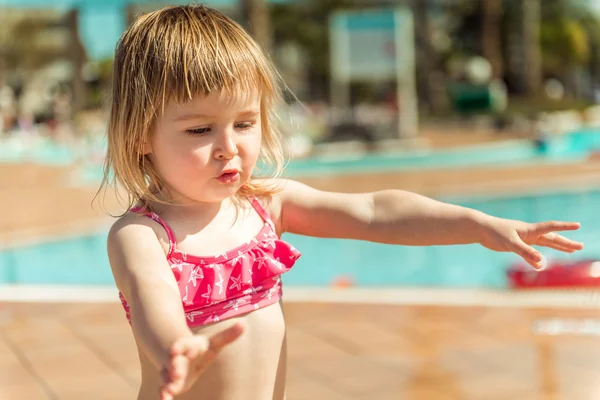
<point>569,147</point>
<point>83,261</point>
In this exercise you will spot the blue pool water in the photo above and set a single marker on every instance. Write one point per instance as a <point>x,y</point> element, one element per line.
<point>520,152</point>
<point>83,260</point>
<point>569,147</point>
<point>574,146</point>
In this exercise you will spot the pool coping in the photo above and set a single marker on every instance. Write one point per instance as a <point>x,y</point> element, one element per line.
<point>54,233</point>
<point>524,187</point>
<point>572,298</point>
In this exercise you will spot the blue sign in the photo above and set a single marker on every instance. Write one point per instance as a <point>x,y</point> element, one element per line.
<point>365,44</point>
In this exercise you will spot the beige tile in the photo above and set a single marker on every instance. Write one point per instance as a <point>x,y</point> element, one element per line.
<point>99,386</point>
<point>22,392</point>
<point>303,346</point>
<point>39,334</point>
<point>13,373</point>
<point>59,365</point>
<point>422,393</point>
<point>336,352</point>
<point>302,387</point>
<point>354,376</point>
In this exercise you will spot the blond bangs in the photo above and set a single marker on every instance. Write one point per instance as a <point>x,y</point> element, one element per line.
<point>176,54</point>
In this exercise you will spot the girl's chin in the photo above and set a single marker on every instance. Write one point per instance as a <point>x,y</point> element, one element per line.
<point>214,192</point>
<point>221,193</point>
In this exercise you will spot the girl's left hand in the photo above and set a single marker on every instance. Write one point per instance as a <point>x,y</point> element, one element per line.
<point>518,237</point>
<point>190,356</point>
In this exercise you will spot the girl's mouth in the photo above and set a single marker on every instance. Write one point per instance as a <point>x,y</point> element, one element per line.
<point>229,176</point>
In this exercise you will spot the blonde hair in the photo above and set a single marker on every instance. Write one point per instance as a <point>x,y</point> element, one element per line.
<point>175,54</point>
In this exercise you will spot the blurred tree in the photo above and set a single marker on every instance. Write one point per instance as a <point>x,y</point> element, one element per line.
<point>306,23</point>
<point>77,56</point>
<point>29,51</point>
<point>526,40</point>
<point>564,45</point>
<point>257,15</point>
<point>491,35</point>
<point>532,52</point>
<point>33,39</point>
<point>567,33</point>
<point>464,27</point>
<point>426,58</point>
<point>502,31</point>
<point>591,24</point>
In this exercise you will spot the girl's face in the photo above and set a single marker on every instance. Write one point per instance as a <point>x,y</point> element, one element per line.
<point>206,149</point>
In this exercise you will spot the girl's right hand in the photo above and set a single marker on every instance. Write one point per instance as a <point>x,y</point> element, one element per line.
<point>190,356</point>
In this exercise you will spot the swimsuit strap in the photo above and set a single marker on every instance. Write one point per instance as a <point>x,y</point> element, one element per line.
<point>172,242</point>
<point>262,212</point>
<point>155,217</point>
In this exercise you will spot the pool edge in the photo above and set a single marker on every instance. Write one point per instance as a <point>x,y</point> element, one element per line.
<point>413,296</point>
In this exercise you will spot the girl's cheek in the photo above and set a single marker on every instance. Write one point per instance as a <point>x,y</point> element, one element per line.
<point>197,157</point>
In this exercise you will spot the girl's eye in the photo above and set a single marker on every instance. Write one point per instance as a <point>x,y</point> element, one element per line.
<point>197,131</point>
<point>201,131</point>
<point>244,125</point>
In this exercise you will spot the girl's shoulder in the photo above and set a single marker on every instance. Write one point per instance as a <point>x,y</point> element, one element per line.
<point>135,228</point>
<point>270,200</point>
<point>133,217</point>
<point>137,259</point>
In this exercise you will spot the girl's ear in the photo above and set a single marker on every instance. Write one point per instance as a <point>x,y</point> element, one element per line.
<point>147,146</point>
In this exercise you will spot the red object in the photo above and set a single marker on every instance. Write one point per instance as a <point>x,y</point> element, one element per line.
<point>343,282</point>
<point>558,274</point>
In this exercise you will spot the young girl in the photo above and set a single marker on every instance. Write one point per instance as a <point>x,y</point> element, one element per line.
<point>198,256</point>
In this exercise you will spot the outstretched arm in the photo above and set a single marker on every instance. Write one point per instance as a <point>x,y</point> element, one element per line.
<point>400,217</point>
<point>144,277</point>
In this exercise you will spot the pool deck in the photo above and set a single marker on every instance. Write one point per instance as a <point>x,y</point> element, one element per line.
<point>337,350</point>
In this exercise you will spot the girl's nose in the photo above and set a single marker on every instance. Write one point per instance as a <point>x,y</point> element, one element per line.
<point>226,146</point>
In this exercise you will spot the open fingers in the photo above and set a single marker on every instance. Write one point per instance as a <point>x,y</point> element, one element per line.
<point>184,351</point>
<point>528,253</point>
<point>542,228</point>
<point>174,377</point>
<point>225,337</point>
<point>558,242</point>
<point>209,346</point>
<point>195,346</point>
<point>191,346</point>
<point>165,394</point>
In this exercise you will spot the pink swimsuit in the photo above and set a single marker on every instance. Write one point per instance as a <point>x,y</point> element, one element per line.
<point>241,280</point>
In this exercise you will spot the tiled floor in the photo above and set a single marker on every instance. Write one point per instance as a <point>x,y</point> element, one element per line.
<point>337,351</point>
<point>375,352</point>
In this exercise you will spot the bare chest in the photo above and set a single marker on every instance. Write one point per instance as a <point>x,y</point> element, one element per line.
<point>218,237</point>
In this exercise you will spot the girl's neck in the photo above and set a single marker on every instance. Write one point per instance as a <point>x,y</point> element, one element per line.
<point>187,208</point>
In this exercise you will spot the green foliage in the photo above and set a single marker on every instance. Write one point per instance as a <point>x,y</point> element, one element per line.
<point>28,51</point>
<point>564,43</point>
<point>307,24</point>
<point>531,107</point>
<point>105,69</point>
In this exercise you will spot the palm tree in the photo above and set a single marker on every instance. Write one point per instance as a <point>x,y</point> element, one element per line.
<point>531,45</point>
<point>491,35</point>
<point>256,13</point>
